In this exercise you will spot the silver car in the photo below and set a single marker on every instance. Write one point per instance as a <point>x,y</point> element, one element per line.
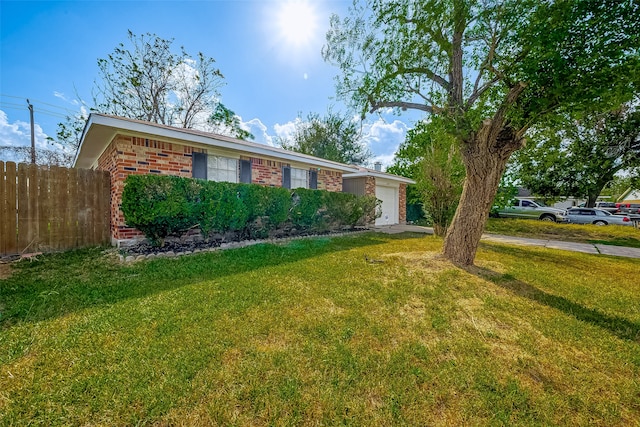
<point>596,216</point>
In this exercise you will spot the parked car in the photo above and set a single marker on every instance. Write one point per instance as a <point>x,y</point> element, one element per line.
<point>610,207</point>
<point>605,206</point>
<point>630,208</point>
<point>529,209</point>
<point>596,216</point>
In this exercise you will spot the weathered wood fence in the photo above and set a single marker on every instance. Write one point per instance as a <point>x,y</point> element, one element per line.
<point>52,208</point>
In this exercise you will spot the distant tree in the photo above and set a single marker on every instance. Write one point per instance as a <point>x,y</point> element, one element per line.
<point>333,137</point>
<point>579,157</point>
<point>492,69</point>
<point>44,156</point>
<point>149,81</point>
<point>430,155</point>
<point>69,135</point>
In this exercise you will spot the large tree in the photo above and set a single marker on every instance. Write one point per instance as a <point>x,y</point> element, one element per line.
<point>333,136</point>
<point>579,157</point>
<point>492,69</point>
<point>147,79</point>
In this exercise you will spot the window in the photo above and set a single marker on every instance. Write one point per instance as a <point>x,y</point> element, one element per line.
<point>214,168</point>
<point>298,178</point>
<point>294,178</point>
<point>222,169</point>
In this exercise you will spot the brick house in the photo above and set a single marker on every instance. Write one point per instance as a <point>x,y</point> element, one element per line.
<point>126,146</point>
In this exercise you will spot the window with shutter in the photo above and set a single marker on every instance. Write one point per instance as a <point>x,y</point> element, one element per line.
<point>245,171</point>
<point>313,179</point>
<point>199,165</point>
<point>286,177</point>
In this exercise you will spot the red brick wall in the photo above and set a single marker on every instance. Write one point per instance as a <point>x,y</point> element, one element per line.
<point>329,180</point>
<point>265,172</point>
<point>134,155</point>
<point>402,200</point>
<point>370,186</point>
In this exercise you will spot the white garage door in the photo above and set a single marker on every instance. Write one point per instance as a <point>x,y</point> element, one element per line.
<point>389,197</point>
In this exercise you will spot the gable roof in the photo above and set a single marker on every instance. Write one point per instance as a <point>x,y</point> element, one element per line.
<point>101,129</point>
<point>363,172</point>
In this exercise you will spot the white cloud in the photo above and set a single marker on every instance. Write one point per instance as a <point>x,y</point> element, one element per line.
<point>286,130</point>
<point>84,109</point>
<point>384,138</point>
<point>18,134</point>
<point>259,131</point>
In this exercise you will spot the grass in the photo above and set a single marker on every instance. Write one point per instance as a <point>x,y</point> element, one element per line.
<point>584,233</point>
<point>310,333</point>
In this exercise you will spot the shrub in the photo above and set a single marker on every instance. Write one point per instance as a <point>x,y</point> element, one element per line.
<point>221,208</point>
<point>307,211</point>
<point>342,209</point>
<point>268,208</point>
<point>160,206</point>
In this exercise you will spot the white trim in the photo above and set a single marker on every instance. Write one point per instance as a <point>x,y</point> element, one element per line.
<point>114,125</point>
<point>375,174</point>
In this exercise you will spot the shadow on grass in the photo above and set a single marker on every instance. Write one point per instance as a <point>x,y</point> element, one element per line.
<point>618,326</point>
<point>63,283</point>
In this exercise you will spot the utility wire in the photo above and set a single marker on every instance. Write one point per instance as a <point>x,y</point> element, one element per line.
<point>70,110</point>
<point>20,107</point>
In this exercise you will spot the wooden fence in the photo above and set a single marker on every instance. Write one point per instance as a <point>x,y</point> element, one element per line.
<point>49,209</point>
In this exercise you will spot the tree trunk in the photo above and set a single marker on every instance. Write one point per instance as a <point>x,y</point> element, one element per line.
<point>591,199</point>
<point>485,157</point>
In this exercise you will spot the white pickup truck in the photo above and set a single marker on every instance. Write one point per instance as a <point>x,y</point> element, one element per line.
<point>529,209</point>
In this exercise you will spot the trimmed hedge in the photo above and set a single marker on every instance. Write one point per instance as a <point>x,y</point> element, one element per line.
<point>160,206</point>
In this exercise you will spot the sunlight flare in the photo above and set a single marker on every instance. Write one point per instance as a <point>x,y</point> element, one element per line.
<point>297,22</point>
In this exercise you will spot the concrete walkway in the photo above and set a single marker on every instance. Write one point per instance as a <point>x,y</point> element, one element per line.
<point>588,248</point>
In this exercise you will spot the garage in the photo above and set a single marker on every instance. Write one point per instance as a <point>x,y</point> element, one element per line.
<point>389,189</point>
<point>389,197</point>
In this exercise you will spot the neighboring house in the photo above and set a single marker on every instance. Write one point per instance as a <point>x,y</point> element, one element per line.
<point>126,146</point>
<point>630,196</point>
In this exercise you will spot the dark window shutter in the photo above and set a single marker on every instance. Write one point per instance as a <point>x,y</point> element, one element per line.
<point>199,166</point>
<point>245,171</point>
<point>286,177</point>
<point>313,179</point>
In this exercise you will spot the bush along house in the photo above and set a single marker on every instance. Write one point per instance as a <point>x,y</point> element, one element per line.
<point>125,146</point>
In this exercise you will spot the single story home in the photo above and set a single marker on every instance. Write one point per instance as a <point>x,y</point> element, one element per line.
<point>124,146</point>
<point>630,196</point>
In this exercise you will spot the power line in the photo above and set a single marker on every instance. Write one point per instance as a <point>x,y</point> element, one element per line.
<point>66,109</point>
<point>20,107</point>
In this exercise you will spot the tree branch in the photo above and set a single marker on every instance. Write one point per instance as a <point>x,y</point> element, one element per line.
<point>403,105</point>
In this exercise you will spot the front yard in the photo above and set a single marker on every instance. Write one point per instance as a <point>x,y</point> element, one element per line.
<point>365,330</point>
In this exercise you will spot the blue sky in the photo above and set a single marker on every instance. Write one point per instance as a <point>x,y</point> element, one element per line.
<point>272,65</point>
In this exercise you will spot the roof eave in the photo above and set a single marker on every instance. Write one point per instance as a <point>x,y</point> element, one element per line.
<point>118,124</point>
<point>381,175</point>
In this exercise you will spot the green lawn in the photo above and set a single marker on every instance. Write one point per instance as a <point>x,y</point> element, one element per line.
<point>587,233</point>
<point>309,333</point>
